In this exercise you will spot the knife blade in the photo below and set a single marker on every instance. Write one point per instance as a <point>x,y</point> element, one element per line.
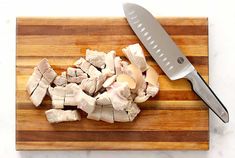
<point>169,57</point>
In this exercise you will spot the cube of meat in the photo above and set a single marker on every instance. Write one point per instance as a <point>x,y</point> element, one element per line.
<point>120,116</point>
<point>43,75</point>
<point>89,85</point>
<point>120,94</point>
<point>43,65</point>
<point>61,80</point>
<point>99,82</point>
<point>76,97</point>
<point>77,79</point>
<point>49,75</point>
<point>118,65</point>
<point>57,115</point>
<point>72,71</point>
<point>152,76</point>
<point>82,64</point>
<point>85,102</point>
<point>109,70</point>
<point>93,72</point>
<point>33,81</point>
<point>136,74</point>
<point>103,99</point>
<point>95,58</point>
<point>152,90</point>
<point>136,56</point>
<point>132,111</point>
<point>40,92</point>
<point>151,87</point>
<point>71,93</point>
<point>96,114</point>
<point>57,96</point>
<point>109,81</point>
<point>107,114</point>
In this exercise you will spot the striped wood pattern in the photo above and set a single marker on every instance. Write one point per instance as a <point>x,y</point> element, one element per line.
<point>174,119</point>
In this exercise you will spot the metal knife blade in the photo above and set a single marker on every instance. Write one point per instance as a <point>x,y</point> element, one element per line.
<point>169,57</point>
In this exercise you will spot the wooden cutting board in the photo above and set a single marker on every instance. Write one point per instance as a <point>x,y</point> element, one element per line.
<point>175,119</point>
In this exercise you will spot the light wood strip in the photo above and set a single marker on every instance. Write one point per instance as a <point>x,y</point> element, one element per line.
<point>112,145</point>
<point>106,21</point>
<point>101,40</point>
<point>147,120</point>
<point>79,50</point>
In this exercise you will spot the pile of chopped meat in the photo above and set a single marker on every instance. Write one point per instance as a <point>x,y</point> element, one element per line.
<point>103,85</point>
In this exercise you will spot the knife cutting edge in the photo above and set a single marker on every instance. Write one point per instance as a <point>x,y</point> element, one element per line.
<point>169,57</point>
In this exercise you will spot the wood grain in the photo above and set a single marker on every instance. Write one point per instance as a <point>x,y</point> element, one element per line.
<point>175,119</point>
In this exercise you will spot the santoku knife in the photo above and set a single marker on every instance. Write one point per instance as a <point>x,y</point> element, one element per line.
<point>169,57</point>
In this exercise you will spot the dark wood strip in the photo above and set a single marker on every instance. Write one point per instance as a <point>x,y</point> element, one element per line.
<point>102,30</point>
<point>102,136</point>
<point>195,60</point>
<point>46,105</point>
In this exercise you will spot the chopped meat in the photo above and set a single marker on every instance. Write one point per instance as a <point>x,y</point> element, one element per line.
<point>116,86</point>
<point>33,81</point>
<point>89,85</point>
<point>85,102</point>
<point>78,79</point>
<point>61,80</point>
<point>152,76</point>
<point>107,114</point>
<point>107,72</point>
<point>57,96</point>
<point>76,97</point>
<point>136,56</point>
<point>93,72</point>
<point>87,67</point>
<point>109,81</point>
<point>38,83</point>
<point>43,65</point>
<point>95,58</point>
<point>118,65</point>
<point>71,93</point>
<point>96,114</point>
<point>141,98</point>
<point>152,90</point>
<point>57,115</point>
<point>120,94</point>
<point>132,111</point>
<point>126,78</point>
<point>72,71</point>
<point>136,74</point>
<point>49,75</point>
<point>109,62</point>
<point>40,92</point>
<point>120,116</point>
<point>103,99</point>
<point>75,75</point>
<point>99,82</point>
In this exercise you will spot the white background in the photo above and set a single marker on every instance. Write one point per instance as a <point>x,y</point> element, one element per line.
<point>222,63</point>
